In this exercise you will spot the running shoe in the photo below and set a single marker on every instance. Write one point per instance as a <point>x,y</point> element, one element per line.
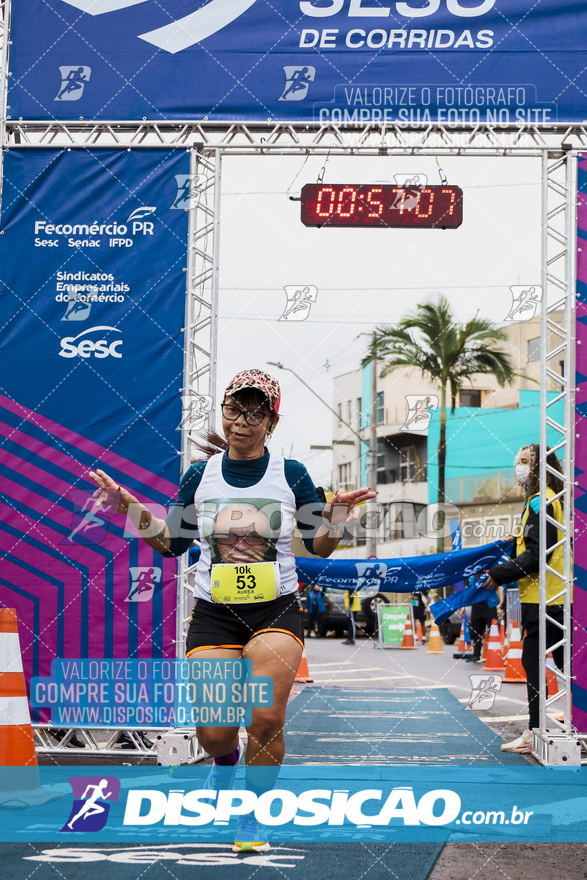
<point>522,745</point>
<point>250,835</point>
<point>348,642</point>
<point>221,776</point>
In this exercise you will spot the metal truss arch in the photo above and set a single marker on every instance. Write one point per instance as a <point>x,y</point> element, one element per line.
<point>208,143</point>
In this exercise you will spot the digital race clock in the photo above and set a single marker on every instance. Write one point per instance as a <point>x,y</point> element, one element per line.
<point>426,207</point>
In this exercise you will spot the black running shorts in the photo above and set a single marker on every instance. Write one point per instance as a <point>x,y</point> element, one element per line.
<point>214,625</point>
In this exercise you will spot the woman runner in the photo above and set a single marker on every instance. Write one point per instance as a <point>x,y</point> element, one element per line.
<point>243,501</point>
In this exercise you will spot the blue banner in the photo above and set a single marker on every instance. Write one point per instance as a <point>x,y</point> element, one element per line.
<point>92,307</point>
<point>92,805</point>
<point>408,575</point>
<point>458,62</point>
<point>472,594</point>
<point>457,544</point>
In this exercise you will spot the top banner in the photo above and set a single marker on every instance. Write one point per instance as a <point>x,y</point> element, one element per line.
<point>457,62</point>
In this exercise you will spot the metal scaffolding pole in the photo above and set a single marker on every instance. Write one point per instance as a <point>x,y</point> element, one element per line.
<point>291,139</point>
<point>201,333</point>
<point>555,742</point>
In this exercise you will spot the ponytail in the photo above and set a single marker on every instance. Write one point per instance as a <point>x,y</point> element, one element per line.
<point>211,443</point>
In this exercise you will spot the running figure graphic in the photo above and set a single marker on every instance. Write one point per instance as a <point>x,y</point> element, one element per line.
<point>419,412</point>
<point>527,300</point>
<point>297,82</point>
<point>91,808</point>
<point>73,82</point>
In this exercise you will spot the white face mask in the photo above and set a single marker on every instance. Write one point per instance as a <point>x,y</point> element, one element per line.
<point>523,474</point>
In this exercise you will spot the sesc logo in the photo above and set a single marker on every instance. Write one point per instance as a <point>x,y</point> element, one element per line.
<point>100,348</point>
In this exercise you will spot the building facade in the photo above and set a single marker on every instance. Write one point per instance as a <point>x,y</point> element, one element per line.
<point>489,426</point>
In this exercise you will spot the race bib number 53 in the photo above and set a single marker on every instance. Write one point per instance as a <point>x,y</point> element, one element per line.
<point>235,584</point>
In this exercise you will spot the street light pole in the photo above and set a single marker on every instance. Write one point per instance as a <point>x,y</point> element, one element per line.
<point>299,378</point>
<point>372,481</point>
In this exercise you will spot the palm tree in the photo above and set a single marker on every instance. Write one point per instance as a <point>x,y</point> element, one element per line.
<point>447,353</point>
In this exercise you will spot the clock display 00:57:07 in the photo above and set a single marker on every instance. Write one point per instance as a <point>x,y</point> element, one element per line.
<point>381,205</point>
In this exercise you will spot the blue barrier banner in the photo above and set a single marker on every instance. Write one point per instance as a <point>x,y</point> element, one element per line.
<point>363,803</point>
<point>92,304</point>
<point>458,62</point>
<point>444,608</point>
<point>403,575</point>
<point>457,544</point>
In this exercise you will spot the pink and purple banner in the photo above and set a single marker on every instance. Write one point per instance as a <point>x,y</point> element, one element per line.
<point>92,304</point>
<point>579,689</point>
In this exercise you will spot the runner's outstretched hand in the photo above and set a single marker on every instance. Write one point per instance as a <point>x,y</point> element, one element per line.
<point>109,493</point>
<point>351,500</point>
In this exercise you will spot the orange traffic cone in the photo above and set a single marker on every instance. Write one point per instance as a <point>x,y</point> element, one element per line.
<point>494,660</point>
<point>504,649</point>
<point>408,639</point>
<point>462,647</point>
<point>17,744</point>
<point>303,673</point>
<point>485,643</point>
<point>514,671</point>
<point>434,642</point>
<point>551,680</point>
<point>19,787</point>
<point>419,633</point>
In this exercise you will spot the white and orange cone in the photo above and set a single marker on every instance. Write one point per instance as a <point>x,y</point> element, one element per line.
<point>514,671</point>
<point>303,673</point>
<point>463,647</point>
<point>502,640</point>
<point>434,642</point>
<point>408,639</point>
<point>485,644</point>
<point>494,660</point>
<point>551,679</point>
<point>19,787</point>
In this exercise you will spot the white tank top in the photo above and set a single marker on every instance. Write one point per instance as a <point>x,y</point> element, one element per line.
<point>265,513</point>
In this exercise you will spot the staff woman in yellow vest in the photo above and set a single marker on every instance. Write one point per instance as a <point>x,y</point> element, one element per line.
<point>523,567</point>
<point>352,604</point>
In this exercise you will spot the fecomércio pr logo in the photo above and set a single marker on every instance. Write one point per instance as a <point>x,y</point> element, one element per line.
<point>91,797</point>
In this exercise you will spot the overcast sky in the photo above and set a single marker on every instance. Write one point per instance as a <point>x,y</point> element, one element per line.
<point>364,276</point>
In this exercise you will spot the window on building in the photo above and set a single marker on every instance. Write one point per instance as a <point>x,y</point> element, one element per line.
<point>470,397</point>
<point>358,412</point>
<point>380,408</point>
<point>408,465</point>
<point>339,411</point>
<point>344,473</point>
<point>380,454</point>
<point>403,519</point>
<point>497,528</point>
<point>349,417</point>
<point>472,532</point>
<point>534,349</point>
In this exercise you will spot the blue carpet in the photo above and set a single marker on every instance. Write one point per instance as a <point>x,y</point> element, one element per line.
<point>326,725</point>
<point>310,861</point>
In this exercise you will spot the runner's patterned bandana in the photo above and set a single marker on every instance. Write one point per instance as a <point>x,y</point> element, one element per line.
<point>257,379</point>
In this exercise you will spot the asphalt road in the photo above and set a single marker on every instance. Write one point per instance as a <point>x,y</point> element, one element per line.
<point>331,663</point>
